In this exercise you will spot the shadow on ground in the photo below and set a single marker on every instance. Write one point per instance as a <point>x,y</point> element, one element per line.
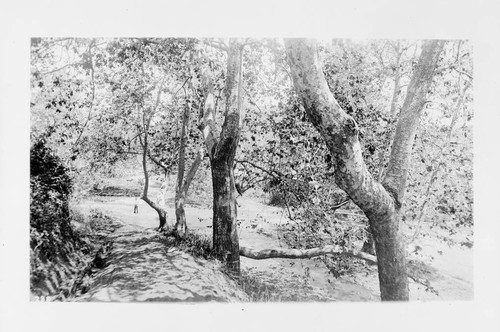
<point>140,268</point>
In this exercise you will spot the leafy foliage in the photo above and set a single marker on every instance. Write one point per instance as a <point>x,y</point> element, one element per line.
<point>51,237</point>
<point>49,211</point>
<point>91,99</point>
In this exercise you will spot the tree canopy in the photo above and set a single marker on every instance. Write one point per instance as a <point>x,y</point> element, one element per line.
<point>310,124</point>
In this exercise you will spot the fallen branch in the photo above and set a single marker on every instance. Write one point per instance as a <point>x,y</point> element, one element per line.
<point>305,253</point>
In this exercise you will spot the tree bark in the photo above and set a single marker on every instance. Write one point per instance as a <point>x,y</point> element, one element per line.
<point>369,244</point>
<point>221,152</point>
<point>146,120</point>
<point>305,253</point>
<point>340,132</point>
<point>180,213</point>
<point>399,161</point>
<point>181,225</point>
<point>397,78</point>
<point>162,214</point>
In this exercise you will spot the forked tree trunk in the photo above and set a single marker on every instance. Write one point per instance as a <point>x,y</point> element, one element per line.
<point>380,204</point>
<point>180,200</point>
<point>369,244</point>
<point>222,151</point>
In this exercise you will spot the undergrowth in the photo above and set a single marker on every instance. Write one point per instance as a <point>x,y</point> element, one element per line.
<point>192,243</point>
<point>279,286</point>
<point>260,286</point>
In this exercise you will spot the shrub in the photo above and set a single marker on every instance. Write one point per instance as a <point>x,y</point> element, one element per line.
<point>52,239</point>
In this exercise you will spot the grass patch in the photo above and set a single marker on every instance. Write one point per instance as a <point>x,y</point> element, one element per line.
<point>191,243</point>
<point>279,286</point>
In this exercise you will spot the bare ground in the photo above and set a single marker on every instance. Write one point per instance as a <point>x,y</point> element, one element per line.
<point>448,269</point>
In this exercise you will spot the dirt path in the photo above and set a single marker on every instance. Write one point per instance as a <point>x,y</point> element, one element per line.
<point>450,273</point>
<point>139,267</point>
<point>256,230</point>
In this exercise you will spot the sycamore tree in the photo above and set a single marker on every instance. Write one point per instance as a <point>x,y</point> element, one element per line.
<point>221,148</point>
<point>315,135</point>
<point>380,202</point>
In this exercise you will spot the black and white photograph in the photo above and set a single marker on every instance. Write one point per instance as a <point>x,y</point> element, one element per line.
<point>242,169</point>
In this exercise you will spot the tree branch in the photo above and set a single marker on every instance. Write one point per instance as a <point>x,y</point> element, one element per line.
<point>230,131</point>
<point>208,124</point>
<point>397,169</point>
<point>273,173</point>
<point>215,44</point>
<point>305,253</point>
<point>61,68</point>
<point>192,171</point>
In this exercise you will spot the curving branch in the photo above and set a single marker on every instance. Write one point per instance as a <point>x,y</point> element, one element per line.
<point>273,173</point>
<point>162,213</point>
<point>165,167</point>
<point>216,44</point>
<point>305,253</point>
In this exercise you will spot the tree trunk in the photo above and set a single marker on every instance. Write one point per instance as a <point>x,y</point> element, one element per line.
<point>225,236</point>
<point>369,244</point>
<point>162,215</point>
<point>146,120</point>
<point>399,161</point>
<point>381,204</point>
<point>397,78</point>
<point>180,214</point>
<point>221,152</point>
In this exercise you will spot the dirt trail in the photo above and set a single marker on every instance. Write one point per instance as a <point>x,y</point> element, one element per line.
<point>450,273</point>
<point>141,268</point>
<point>257,230</point>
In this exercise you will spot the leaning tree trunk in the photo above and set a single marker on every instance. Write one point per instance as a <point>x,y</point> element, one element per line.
<point>146,120</point>
<point>380,204</point>
<point>221,152</point>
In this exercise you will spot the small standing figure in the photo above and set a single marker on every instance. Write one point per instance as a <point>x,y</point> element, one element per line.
<point>136,206</point>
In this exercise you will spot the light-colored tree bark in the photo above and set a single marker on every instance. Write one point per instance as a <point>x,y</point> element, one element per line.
<point>399,161</point>
<point>180,213</point>
<point>397,78</point>
<point>184,182</point>
<point>305,253</point>
<point>380,203</point>
<point>147,116</point>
